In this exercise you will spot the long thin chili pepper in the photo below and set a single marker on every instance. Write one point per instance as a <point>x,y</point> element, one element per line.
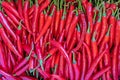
<point>101,72</point>
<point>5,23</point>
<point>94,64</point>
<point>46,26</point>
<point>10,8</point>
<point>20,11</point>
<point>41,20</point>
<point>8,42</point>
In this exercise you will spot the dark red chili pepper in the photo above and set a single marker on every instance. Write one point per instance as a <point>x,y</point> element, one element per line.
<point>94,46</point>
<point>7,6</point>
<point>27,78</point>
<point>5,23</point>
<point>94,64</point>
<point>3,64</point>
<point>20,9</point>
<point>8,42</point>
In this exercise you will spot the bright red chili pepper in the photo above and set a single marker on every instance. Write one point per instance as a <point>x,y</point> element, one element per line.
<point>5,24</point>
<point>10,8</point>
<point>115,63</point>
<point>8,42</point>
<point>20,9</point>
<point>41,21</point>
<point>94,64</point>
<point>117,32</point>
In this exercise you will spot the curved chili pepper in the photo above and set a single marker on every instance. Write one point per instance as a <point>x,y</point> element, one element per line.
<point>46,26</point>
<point>62,50</point>
<point>100,73</point>
<point>7,6</point>
<point>44,5</point>
<point>57,77</point>
<point>104,27</point>
<point>5,23</point>
<point>2,58</point>
<point>89,54</point>
<point>8,42</point>
<point>72,28</point>
<point>84,27</point>
<point>27,78</point>
<point>94,64</point>
<point>84,65</point>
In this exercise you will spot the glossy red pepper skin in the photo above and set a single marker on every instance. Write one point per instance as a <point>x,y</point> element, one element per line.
<point>46,26</point>
<point>5,24</point>
<point>2,58</point>
<point>117,32</point>
<point>90,15</point>
<point>112,30</point>
<point>26,17</point>
<point>115,63</point>
<point>41,21</point>
<point>8,42</point>
<point>94,64</point>
<point>10,8</point>
<point>20,9</point>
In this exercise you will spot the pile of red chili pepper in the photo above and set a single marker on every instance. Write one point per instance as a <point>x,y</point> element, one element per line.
<point>59,40</point>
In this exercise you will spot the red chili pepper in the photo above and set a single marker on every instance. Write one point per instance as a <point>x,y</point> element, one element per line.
<point>3,64</point>
<point>75,67</point>
<point>20,9</point>
<point>57,77</point>
<point>35,18</point>
<point>117,32</point>
<point>84,27</point>
<point>72,28</point>
<point>112,30</point>
<point>27,78</point>
<point>44,5</point>
<point>19,45</point>
<point>8,42</point>
<point>69,19</point>
<point>104,27</point>
<point>40,1</point>
<point>24,61</point>
<point>94,46</point>
<point>7,6</point>
<point>89,54</point>
<point>84,65</point>
<point>62,50</point>
<point>18,73</point>
<point>89,15</point>
<point>115,63</point>
<point>94,64</point>
<point>41,21</point>
<point>46,26</point>
<point>26,17</point>
<point>5,23</point>
<point>100,73</point>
